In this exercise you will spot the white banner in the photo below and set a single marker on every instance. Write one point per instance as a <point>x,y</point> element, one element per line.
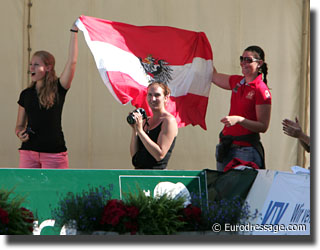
<point>286,206</point>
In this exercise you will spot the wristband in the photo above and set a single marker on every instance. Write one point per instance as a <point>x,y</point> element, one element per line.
<point>76,31</point>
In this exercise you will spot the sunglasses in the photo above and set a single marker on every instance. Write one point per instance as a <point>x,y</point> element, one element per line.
<point>248,59</point>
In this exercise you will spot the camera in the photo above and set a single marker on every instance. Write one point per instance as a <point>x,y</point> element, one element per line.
<point>29,131</point>
<point>132,120</point>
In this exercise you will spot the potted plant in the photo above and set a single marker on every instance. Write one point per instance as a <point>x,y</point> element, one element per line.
<point>14,218</point>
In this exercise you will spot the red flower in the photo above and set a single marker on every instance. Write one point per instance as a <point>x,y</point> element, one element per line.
<point>4,216</point>
<point>132,212</point>
<point>119,216</point>
<point>114,203</point>
<point>28,217</point>
<point>113,212</point>
<point>192,213</point>
<point>132,227</point>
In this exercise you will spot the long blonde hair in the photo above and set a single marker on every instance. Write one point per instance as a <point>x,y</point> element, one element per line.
<point>48,91</point>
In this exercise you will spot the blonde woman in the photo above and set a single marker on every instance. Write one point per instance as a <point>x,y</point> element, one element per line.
<point>153,139</point>
<point>40,108</point>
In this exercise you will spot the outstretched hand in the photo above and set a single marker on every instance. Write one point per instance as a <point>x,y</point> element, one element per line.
<point>292,128</point>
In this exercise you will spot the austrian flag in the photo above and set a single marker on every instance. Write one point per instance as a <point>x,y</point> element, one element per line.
<point>130,57</point>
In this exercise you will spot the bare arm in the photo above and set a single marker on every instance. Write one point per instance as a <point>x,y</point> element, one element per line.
<point>21,124</point>
<point>221,80</point>
<point>70,67</point>
<point>305,141</point>
<point>259,126</point>
<point>169,131</point>
<point>133,143</point>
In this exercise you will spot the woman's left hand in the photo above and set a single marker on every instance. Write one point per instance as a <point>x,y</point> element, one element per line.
<point>229,121</point>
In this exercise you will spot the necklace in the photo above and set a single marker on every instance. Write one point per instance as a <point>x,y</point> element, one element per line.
<point>147,124</point>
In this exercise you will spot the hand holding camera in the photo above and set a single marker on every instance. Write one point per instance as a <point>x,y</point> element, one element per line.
<point>131,117</point>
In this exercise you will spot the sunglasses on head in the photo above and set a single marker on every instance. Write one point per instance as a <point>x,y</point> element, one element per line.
<point>248,59</point>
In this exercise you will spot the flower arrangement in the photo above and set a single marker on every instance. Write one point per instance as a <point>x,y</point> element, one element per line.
<point>159,215</point>
<point>228,211</point>
<point>224,211</point>
<point>193,217</point>
<point>85,208</point>
<point>94,210</point>
<point>120,217</point>
<point>14,219</point>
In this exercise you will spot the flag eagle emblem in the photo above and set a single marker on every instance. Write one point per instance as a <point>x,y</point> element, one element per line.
<point>157,69</point>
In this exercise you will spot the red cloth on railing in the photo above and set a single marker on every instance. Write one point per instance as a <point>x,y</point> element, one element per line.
<point>235,162</point>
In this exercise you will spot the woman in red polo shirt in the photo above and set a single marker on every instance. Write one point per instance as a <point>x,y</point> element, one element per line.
<point>250,110</point>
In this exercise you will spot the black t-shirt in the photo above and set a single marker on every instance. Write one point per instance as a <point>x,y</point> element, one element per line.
<point>144,160</point>
<point>45,123</point>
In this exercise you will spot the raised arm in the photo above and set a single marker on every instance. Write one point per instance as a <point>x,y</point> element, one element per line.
<point>221,80</point>
<point>70,67</point>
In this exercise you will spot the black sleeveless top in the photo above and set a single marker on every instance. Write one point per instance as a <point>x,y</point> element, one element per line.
<point>144,160</point>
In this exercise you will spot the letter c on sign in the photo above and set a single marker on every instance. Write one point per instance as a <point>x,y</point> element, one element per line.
<point>47,223</point>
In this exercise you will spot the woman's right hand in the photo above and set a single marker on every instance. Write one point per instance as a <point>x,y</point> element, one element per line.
<point>138,125</point>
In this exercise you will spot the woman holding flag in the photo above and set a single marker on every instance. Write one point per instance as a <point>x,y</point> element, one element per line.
<point>40,108</point>
<point>153,139</point>
<point>250,110</point>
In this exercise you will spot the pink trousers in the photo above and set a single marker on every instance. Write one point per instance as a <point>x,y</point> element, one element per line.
<point>33,159</point>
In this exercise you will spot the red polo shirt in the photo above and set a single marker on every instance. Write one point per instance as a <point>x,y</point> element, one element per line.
<point>244,98</point>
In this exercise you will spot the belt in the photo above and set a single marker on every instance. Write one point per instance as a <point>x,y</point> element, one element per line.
<point>237,146</point>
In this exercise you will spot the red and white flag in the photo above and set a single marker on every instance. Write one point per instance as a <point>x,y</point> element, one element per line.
<point>129,57</point>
